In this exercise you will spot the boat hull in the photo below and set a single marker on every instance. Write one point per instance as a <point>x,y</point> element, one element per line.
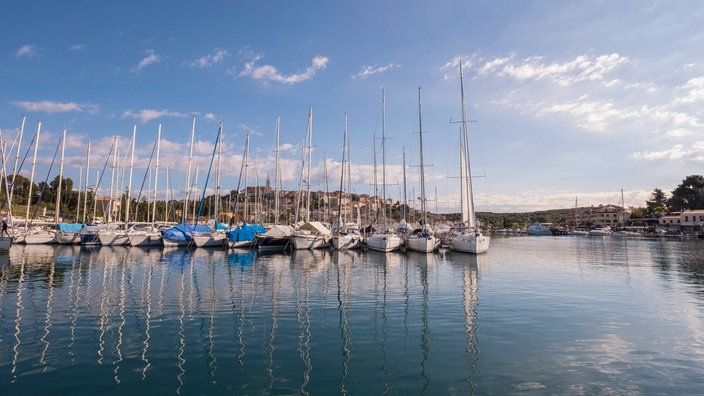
<point>425,244</point>
<point>302,242</point>
<point>210,240</point>
<point>146,239</point>
<point>384,242</point>
<point>469,243</point>
<point>345,242</point>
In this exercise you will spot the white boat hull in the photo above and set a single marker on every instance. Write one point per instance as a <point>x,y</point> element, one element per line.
<point>423,244</point>
<point>301,242</point>
<point>344,242</point>
<point>68,238</point>
<point>469,243</point>
<point>40,238</point>
<point>210,240</point>
<point>113,238</point>
<point>146,239</point>
<point>384,242</point>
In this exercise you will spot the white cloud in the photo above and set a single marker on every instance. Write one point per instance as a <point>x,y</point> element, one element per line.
<point>695,88</point>
<point>210,116</point>
<point>149,114</point>
<point>270,73</point>
<point>77,47</point>
<point>451,67</point>
<point>151,58</point>
<point>581,68</point>
<point>48,106</point>
<point>371,70</point>
<point>217,56</point>
<point>677,152</point>
<point>27,51</point>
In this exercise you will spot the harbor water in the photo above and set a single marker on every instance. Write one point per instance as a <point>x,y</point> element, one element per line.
<point>535,315</point>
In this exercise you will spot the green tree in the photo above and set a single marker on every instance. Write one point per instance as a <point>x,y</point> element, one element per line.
<point>689,194</point>
<point>657,198</point>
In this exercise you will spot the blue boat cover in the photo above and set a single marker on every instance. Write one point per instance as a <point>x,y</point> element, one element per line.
<point>70,227</point>
<point>220,226</point>
<point>245,233</point>
<point>183,231</point>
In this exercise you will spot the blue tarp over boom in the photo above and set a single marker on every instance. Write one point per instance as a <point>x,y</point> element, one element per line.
<point>245,233</point>
<point>184,231</point>
<point>220,226</point>
<point>70,227</point>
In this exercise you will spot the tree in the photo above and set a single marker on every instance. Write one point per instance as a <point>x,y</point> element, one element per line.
<point>689,194</point>
<point>657,198</point>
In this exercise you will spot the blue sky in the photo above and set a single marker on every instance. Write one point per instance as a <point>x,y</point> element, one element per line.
<point>568,99</point>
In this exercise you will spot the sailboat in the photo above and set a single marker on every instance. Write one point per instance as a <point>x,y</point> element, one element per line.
<point>243,236</point>
<point>310,234</point>
<point>149,235</point>
<point>118,236</point>
<point>181,235</point>
<point>277,237</point>
<point>467,238</point>
<point>347,234</point>
<point>218,237</point>
<point>385,240</point>
<point>422,240</point>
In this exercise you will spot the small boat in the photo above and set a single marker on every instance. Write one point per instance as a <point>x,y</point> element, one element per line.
<point>538,229</point>
<point>348,237</point>
<point>244,235</point>
<point>311,235</point>
<point>277,238</point>
<point>605,231</point>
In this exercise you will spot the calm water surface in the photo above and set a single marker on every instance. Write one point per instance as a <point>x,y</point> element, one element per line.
<point>536,315</point>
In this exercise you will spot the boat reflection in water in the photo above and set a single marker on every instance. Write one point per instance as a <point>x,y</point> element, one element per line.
<point>155,320</point>
<point>143,319</point>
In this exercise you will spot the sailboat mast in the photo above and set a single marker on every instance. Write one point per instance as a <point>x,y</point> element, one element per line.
<point>17,159</point>
<point>342,176</point>
<point>188,171</point>
<point>277,175</point>
<point>61,173</point>
<point>217,176</point>
<point>310,157</point>
<point>422,165</point>
<point>246,176</point>
<point>85,196</point>
<point>129,184</point>
<point>112,178</point>
<point>466,167</point>
<point>405,192</point>
<point>156,172</point>
<point>383,155</point>
<point>31,179</point>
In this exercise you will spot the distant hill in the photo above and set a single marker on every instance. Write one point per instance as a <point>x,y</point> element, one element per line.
<point>514,220</point>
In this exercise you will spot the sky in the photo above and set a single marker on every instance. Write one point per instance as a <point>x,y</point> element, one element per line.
<point>568,101</point>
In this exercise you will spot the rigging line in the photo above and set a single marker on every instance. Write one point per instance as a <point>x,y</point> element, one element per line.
<point>102,173</point>
<point>205,187</point>
<point>14,176</point>
<point>146,172</point>
<point>41,192</point>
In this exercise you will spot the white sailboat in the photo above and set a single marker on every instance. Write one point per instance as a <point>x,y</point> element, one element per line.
<point>384,240</point>
<point>118,236</point>
<point>277,237</point>
<point>422,240</point>
<point>149,236</point>
<point>347,234</point>
<point>467,238</point>
<point>310,234</point>
<point>216,238</point>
